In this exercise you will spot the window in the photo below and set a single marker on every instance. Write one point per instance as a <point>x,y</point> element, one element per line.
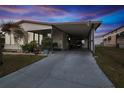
<point>109,38</point>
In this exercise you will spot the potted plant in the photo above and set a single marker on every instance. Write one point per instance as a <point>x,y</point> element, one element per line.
<point>46,44</point>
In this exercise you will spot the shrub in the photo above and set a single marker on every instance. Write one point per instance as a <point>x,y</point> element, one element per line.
<point>46,43</point>
<point>29,47</point>
<point>25,48</point>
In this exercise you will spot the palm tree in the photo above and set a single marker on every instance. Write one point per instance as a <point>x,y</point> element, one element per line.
<point>16,30</point>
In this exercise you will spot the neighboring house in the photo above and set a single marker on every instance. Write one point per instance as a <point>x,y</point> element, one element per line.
<point>114,38</point>
<point>61,33</point>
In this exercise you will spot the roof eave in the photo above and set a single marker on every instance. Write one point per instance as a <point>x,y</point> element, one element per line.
<point>33,22</point>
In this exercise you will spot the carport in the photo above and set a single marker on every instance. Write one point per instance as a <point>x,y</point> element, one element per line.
<point>79,30</point>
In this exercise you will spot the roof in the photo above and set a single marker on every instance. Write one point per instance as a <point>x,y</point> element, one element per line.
<point>78,29</point>
<point>97,23</point>
<point>33,22</point>
<point>46,23</point>
<point>114,30</point>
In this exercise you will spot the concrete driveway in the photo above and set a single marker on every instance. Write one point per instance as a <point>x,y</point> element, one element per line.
<point>69,69</point>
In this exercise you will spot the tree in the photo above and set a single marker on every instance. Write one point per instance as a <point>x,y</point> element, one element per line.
<point>16,30</point>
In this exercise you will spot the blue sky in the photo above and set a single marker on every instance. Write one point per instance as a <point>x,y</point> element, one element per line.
<point>111,16</point>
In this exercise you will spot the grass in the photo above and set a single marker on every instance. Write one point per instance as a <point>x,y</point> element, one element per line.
<point>13,63</point>
<point>111,61</point>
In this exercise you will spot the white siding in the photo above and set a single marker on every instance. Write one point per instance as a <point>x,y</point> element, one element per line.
<point>30,37</point>
<point>65,42</point>
<point>58,38</point>
<point>41,37</point>
<point>36,37</point>
<point>7,39</point>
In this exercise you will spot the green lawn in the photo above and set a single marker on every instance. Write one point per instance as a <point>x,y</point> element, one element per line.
<point>15,62</point>
<point>111,61</point>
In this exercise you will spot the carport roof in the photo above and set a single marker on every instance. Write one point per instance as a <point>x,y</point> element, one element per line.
<point>80,29</point>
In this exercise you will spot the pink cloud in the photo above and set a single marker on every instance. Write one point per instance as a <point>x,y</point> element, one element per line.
<point>50,11</point>
<point>13,9</point>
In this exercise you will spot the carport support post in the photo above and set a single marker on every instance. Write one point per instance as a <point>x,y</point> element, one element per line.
<point>92,46</point>
<point>51,40</point>
<point>89,42</point>
<point>93,41</point>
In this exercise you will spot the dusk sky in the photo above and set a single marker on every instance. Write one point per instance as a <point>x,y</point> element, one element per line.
<point>110,16</point>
